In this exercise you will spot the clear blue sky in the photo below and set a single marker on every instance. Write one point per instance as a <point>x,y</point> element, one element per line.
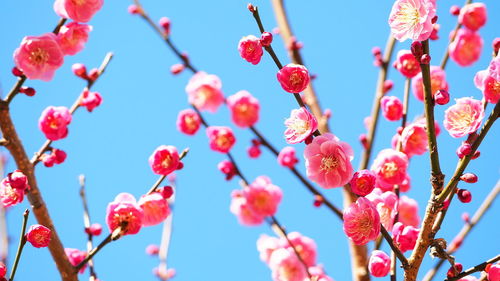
<point>141,101</point>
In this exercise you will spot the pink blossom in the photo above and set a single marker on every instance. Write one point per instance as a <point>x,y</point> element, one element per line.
<point>287,158</point>
<point>262,197</point>
<point>379,264</point>
<point>438,82</point>
<point>392,108</point>
<point>77,10</point>
<point>90,100</point>
<point>38,235</point>
<point>221,139</point>
<point>239,207</point>
<point>286,266</point>
<point>124,212</point>
<point>464,117</point>
<point>54,122</point>
<point>305,246</point>
<point>250,49</point>
<point>75,257</point>
<point>94,229</point>
<point>72,37</point>
<point>293,78</point>
<point>165,23</point>
<point>390,166</point>
<point>10,196</point>
<point>412,19</point>
<point>361,221</point>
<point>414,139</point>
<point>300,125</point>
<point>328,161</point>
<point>494,272</point>
<point>152,250</point>
<point>363,182</point>
<point>266,245</point>
<point>244,109</point>
<point>405,236</point>
<point>385,203</point>
<point>473,16</point>
<point>488,81</point>
<point>164,160</point>
<point>188,121</point>
<point>18,180</point>
<point>38,57</point>
<point>407,64</point>
<point>227,168</point>
<point>408,211</point>
<point>155,209</point>
<point>3,270</point>
<point>204,91</point>
<point>466,48</point>
<point>319,273</point>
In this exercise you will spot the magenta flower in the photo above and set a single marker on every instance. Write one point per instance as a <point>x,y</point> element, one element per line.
<point>72,37</point>
<point>204,91</point>
<point>155,209</point>
<point>77,10</point>
<point>125,213</point>
<point>407,64</point>
<point>250,49</point>
<point>363,182</point>
<point>412,19</point>
<point>405,236</point>
<point>164,160</point>
<point>3,270</point>
<point>408,211</point>
<point>38,57</point>
<point>221,139</point>
<point>300,125</point>
<point>266,245</point>
<point>385,203</point>
<point>38,235</point>
<point>293,78</point>
<point>13,188</point>
<point>239,207</point>
<point>473,16</point>
<point>494,272</point>
<point>188,121</point>
<point>464,117</point>
<point>54,122</point>
<point>361,221</point>
<point>90,100</point>
<point>328,161</point>
<point>379,264</point>
<point>392,108</point>
<point>488,81</point>
<point>318,272</point>
<point>305,246</point>
<point>466,48</point>
<point>390,166</point>
<point>18,180</point>
<point>262,197</point>
<point>94,229</point>
<point>438,82</point>
<point>244,109</point>
<point>286,266</point>
<point>414,139</point>
<point>75,257</point>
<point>227,168</point>
<point>287,158</point>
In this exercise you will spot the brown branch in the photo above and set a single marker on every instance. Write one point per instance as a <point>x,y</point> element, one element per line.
<point>479,267</point>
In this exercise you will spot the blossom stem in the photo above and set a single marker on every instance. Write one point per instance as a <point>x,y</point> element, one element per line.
<point>74,107</point>
<point>479,267</point>
<point>282,232</point>
<point>22,242</point>
<point>382,76</point>
<point>101,245</point>
<point>86,224</point>
<point>466,229</point>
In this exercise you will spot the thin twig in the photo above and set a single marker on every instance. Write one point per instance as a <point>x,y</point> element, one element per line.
<point>22,242</point>
<point>86,223</point>
<point>479,267</point>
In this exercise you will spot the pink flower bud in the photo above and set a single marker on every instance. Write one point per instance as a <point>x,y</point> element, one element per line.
<point>164,160</point>
<point>407,64</point>
<point>455,10</point>
<point>376,51</point>
<point>405,236</point>
<point>293,78</point>
<point>94,74</point>
<point>363,139</point>
<point>166,191</point>
<point>464,150</point>
<point>425,59</point>
<point>287,158</point>
<point>188,121</point>
<point>251,8</point>
<point>29,91</point>
<point>388,84</point>
<point>152,250</point>
<point>266,39</point>
<point>227,168</point>
<point>221,139</point>
<point>134,10</point>
<point>177,68</point>
<point>17,72</point>
<point>496,45</point>
<point>164,22</point>
<point>18,180</point>
<point>95,229</point>
<point>3,269</point>
<point>254,151</point>
<point>38,235</point>
<point>48,160</point>
<point>79,70</point>
<point>417,50</point>
<point>392,108</point>
<point>466,217</point>
<point>464,195</point>
<point>434,35</point>
<point>469,178</point>
<point>476,154</point>
<point>363,182</point>
<point>90,100</point>
<point>379,264</point>
<point>250,49</point>
<point>75,257</point>
<point>318,201</point>
<point>442,97</point>
<point>494,272</point>
<point>454,270</point>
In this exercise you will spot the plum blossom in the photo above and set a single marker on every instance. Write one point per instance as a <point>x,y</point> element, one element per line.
<point>12,189</point>
<point>494,272</point>
<point>54,122</point>
<point>77,10</point>
<point>438,82</point>
<point>164,160</point>
<point>124,212</point>
<point>38,57</point>
<point>488,81</point>
<point>363,182</point>
<point>244,109</point>
<point>414,139</point>
<point>266,245</point>
<point>241,210</point>
<point>405,236</point>
<point>90,100</point>
<point>38,235</point>
<point>361,221</point>
<point>466,48</point>
<point>328,161</point>
<point>293,78</point>
<point>412,19</point>
<point>464,117</point>
<point>385,203</point>
<point>204,91</point>
<point>392,108</point>
<point>75,257</point>
<point>287,158</point>
<point>154,207</point>
<point>250,49</point>
<point>188,121</point>
<point>286,266</point>
<point>407,64</point>
<point>300,125</point>
<point>221,139</point>
<point>305,246</point>
<point>390,166</point>
<point>379,264</point>
<point>473,16</point>
<point>408,211</point>
<point>72,37</point>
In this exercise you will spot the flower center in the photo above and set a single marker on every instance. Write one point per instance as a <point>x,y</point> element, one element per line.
<point>299,126</point>
<point>389,169</point>
<point>295,79</point>
<point>223,141</point>
<point>166,162</point>
<point>408,15</point>
<point>329,162</point>
<point>39,56</point>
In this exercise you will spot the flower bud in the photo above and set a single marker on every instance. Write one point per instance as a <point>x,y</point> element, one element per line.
<point>469,178</point>
<point>266,39</point>
<point>464,195</point>
<point>442,97</point>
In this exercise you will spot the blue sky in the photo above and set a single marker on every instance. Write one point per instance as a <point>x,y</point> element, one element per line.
<point>141,100</point>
